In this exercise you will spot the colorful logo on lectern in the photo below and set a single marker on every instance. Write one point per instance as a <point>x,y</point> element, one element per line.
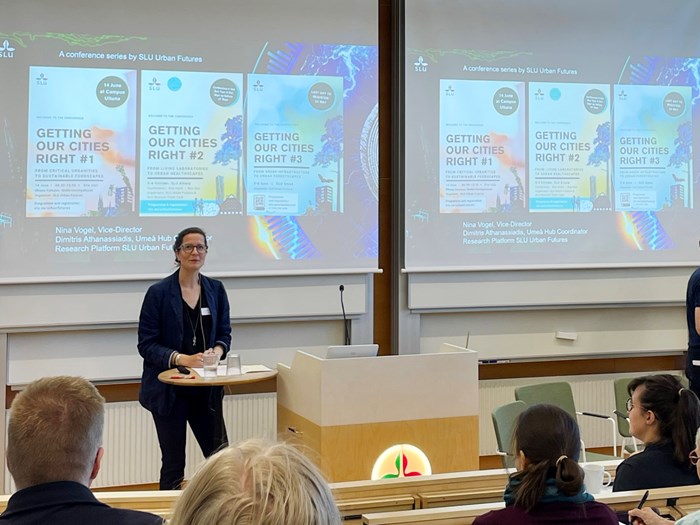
<point>401,461</point>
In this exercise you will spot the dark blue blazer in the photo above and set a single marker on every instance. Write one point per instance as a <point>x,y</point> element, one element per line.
<point>68,503</point>
<point>161,331</point>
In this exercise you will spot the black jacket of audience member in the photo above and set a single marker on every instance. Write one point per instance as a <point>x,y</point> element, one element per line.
<point>68,503</point>
<point>653,468</point>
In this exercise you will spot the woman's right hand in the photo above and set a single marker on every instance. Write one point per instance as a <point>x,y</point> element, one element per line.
<point>192,361</point>
<point>646,516</point>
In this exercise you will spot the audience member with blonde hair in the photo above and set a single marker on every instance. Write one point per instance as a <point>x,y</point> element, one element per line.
<point>257,483</point>
<point>54,451</point>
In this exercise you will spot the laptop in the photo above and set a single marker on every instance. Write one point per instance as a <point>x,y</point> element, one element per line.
<point>347,351</point>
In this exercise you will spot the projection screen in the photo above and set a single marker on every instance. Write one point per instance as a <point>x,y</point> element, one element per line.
<point>551,134</point>
<point>124,122</point>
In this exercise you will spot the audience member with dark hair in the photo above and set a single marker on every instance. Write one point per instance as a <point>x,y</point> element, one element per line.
<point>548,486</point>
<point>665,416</point>
<point>647,516</point>
<point>54,450</point>
<point>257,483</point>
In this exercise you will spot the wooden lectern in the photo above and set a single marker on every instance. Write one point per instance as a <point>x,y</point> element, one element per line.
<point>348,411</point>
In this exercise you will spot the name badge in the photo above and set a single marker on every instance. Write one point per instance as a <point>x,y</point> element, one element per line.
<point>205,311</point>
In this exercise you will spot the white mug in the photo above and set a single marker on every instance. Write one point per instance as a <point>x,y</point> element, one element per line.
<point>594,474</point>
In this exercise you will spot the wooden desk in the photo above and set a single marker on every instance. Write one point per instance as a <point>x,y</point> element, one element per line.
<point>449,488</point>
<point>194,379</point>
<point>684,499</point>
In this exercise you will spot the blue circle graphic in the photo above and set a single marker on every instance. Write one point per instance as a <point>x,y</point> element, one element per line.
<point>555,93</point>
<point>174,84</point>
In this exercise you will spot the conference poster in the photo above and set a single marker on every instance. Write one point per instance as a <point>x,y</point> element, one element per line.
<point>482,146</point>
<point>187,119</point>
<point>295,135</point>
<point>653,165</point>
<point>567,123</point>
<point>81,152</point>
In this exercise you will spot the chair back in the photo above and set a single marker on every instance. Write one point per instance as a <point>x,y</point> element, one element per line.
<point>504,419</point>
<point>557,394</point>
<point>621,397</point>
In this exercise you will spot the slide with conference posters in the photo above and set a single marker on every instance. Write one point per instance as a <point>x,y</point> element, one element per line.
<point>81,152</point>
<point>191,143</point>
<point>652,139</point>
<point>97,188</point>
<point>611,112</point>
<point>567,128</point>
<point>482,146</point>
<point>295,145</point>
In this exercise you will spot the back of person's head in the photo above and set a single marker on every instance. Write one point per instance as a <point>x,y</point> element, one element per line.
<point>55,431</point>
<point>677,410</point>
<point>549,439</point>
<point>257,483</point>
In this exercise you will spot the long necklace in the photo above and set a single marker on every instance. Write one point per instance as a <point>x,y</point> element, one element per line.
<point>199,320</point>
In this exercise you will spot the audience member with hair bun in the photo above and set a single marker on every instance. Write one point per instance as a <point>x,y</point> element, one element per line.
<point>548,486</point>
<point>257,483</point>
<point>665,416</point>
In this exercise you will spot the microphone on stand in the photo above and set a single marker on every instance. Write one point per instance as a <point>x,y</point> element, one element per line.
<point>346,327</point>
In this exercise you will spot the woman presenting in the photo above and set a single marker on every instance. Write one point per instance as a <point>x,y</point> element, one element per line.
<point>183,316</point>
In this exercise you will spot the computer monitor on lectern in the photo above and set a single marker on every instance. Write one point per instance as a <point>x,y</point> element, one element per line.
<point>347,351</point>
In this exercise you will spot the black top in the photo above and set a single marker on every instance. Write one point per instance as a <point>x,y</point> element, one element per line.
<point>653,468</point>
<point>692,300</point>
<point>196,323</point>
<point>161,328</point>
<point>68,503</point>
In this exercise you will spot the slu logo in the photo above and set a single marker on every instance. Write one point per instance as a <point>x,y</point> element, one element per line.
<point>420,65</point>
<point>42,80</point>
<point>401,461</point>
<point>6,51</point>
<point>154,85</point>
<point>258,86</point>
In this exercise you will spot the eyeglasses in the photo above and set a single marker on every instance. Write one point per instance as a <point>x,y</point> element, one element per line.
<point>189,248</point>
<point>693,457</point>
<point>629,405</point>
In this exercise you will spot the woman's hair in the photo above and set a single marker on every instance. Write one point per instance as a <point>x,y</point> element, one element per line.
<point>677,410</point>
<point>258,483</point>
<point>550,439</point>
<point>180,236</point>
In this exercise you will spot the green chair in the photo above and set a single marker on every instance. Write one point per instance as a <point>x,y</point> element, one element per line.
<point>560,394</point>
<point>504,419</point>
<point>623,422</point>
